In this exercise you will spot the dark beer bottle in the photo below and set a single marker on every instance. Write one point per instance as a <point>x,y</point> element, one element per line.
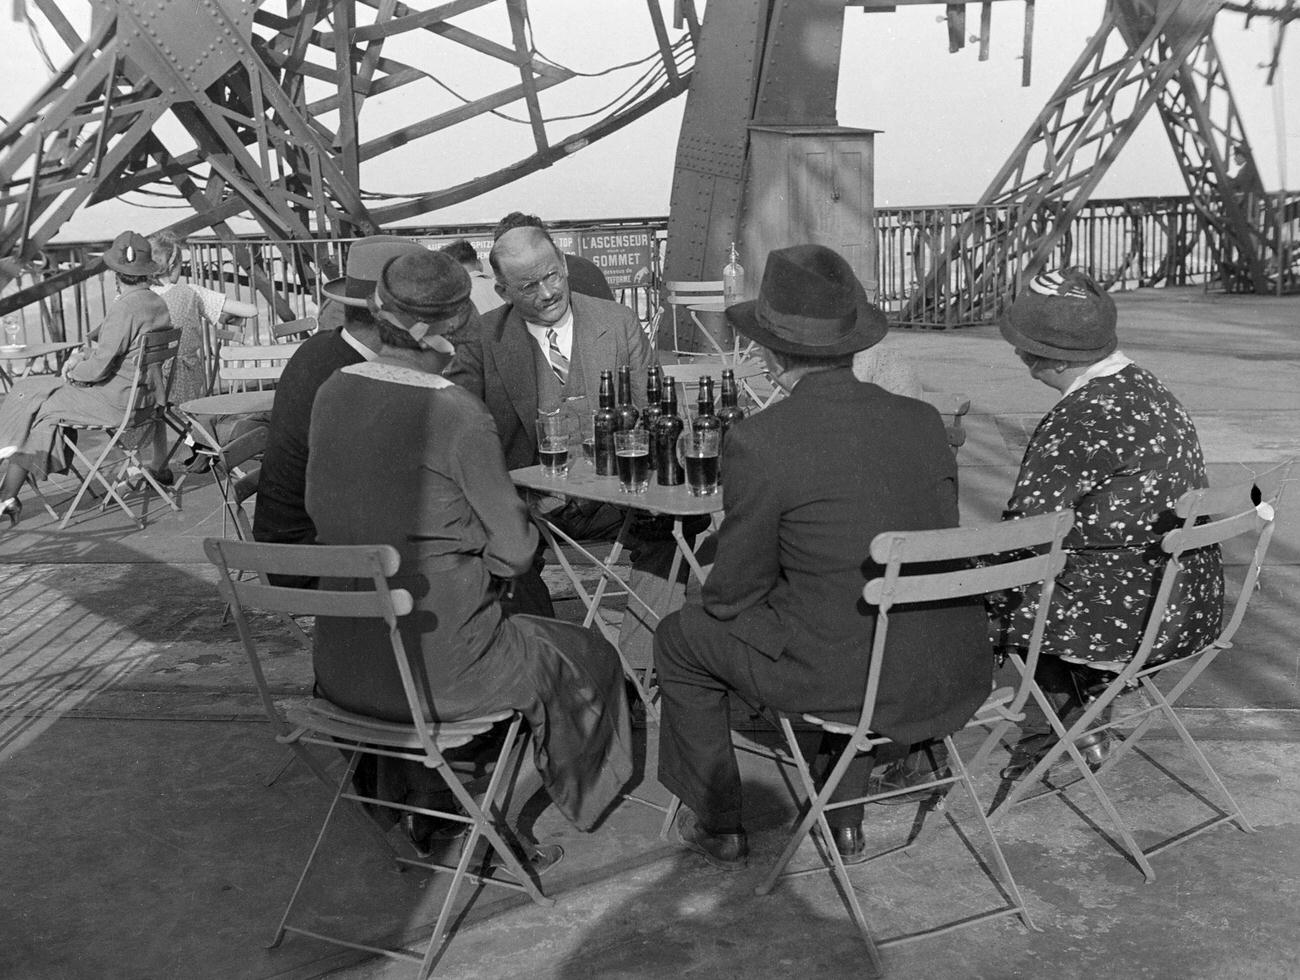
<point>624,407</point>
<point>605,424</point>
<point>668,471</point>
<point>652,410</point>
<point>729,413</point>
<point>705,417</point>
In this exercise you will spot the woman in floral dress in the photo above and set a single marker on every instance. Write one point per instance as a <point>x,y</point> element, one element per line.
<point>1118,450</point>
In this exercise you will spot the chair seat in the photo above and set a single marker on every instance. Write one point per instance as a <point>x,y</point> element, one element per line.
<point>327,718</point>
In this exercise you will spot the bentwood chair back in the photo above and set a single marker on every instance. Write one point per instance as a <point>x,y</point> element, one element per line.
<point>1244,513</point>
<point>1020,553</point>
<point>146,407</point>
<point>319,722</point>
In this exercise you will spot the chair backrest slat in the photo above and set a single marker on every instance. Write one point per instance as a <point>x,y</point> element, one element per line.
<point>339,561</point>
<point>681,292</point>
<point>1186,539</point>
<point>962,582</point>
<point>320,602</point>
<point>967,542</point>
<point>294,328</point>
<point>1234,497</point>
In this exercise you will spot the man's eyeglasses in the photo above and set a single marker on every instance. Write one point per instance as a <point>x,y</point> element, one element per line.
<point>533,287</point>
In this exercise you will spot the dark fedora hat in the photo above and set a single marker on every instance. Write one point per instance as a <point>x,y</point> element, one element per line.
<point>131,255</point>
<point>809,302</point>
<point>424,293</point>
<point>1062,314</point>
<point>366,258</point>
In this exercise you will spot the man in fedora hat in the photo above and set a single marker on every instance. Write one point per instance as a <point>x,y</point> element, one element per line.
<point>810,481</point>
<point>280,515</point>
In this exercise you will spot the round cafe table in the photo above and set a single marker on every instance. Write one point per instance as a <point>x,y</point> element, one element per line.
<point>29,354</point>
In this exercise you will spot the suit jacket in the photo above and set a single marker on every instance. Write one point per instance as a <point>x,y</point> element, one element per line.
<point>499,366</point>
<point>280,515</point>
<point>809,482</point>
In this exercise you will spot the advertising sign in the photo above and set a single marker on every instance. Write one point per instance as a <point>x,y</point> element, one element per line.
<point>622,254</point>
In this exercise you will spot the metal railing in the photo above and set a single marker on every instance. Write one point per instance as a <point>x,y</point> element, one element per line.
<point>1124,244</point>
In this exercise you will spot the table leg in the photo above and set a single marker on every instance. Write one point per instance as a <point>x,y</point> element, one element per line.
<point>592,600</point>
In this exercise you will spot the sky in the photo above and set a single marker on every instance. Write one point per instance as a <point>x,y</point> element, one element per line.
<point>946,122</point>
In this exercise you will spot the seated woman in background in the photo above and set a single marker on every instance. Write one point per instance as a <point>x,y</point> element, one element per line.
<point>94,388</point>
<point>1119,450</point>
<point>398,455</point>
<point>190,307</point>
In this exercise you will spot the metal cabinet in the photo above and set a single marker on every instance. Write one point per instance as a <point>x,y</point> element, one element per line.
<point>810,184</point>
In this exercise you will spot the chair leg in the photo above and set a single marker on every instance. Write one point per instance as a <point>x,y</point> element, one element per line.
<point>968,784</point>
<point>311,858</point>
<point>815,814</point>
<point>93,473</point>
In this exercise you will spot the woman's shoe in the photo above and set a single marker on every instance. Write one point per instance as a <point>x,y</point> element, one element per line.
<point>12,509</point>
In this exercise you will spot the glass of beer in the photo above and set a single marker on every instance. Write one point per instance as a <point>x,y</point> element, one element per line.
<point>554,433</point>
<point>699,451</point>
<point>632,457</point>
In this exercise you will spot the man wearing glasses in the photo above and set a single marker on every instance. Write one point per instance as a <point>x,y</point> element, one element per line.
<point>545,349</point>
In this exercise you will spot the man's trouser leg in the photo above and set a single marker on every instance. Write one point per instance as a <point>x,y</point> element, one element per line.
<point>699,664</point>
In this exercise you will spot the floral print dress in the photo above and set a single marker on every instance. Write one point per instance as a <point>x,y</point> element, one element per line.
<point>1119,452</point>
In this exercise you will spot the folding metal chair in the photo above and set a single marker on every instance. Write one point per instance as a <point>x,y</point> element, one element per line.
<point>679,296</point>
<point>1034,554</point>
<point>242,366</point>
<point>146,407</point>
<point>1250,510</point>
<point>322,723</point>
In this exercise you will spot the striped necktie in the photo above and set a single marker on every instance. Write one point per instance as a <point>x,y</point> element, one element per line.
<point>559,363</point>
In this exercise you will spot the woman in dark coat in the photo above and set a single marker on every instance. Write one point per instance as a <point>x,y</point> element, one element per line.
<point>94,389</point>
<point>1118,450</point>
<point>401,456</point>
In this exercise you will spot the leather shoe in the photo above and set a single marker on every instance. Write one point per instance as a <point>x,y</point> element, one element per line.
<point>850,843</point>
<point>540,857</point>
<point>729,852</point>
<point>916,769</point>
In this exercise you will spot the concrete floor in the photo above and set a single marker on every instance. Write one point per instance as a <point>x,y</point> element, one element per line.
<point>140,839</point>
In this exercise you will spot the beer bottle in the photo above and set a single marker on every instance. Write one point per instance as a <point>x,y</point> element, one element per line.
<point>729,412</point>
<point>652,410</point>
<point>605,424</point>
<point>705,417</point>
<point>624,407</point>
<point>668,471</point>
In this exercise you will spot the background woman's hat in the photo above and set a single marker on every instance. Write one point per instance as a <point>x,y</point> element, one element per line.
<point>366,259</point>
<point>1062,314</point>
<point>130,255</point>
<point>424,293</point>
<point>810,302</point>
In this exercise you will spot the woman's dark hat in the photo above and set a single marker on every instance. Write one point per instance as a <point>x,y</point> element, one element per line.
<point>131,255</point>
<point>366,258</point>
<point>422,292</point>
<point>1062,314</point>
<point>809,302</point>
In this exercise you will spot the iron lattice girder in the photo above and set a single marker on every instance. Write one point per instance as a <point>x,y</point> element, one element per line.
<point>1203,125</point>
<point>1066,152</point>
<point>237,76</point>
